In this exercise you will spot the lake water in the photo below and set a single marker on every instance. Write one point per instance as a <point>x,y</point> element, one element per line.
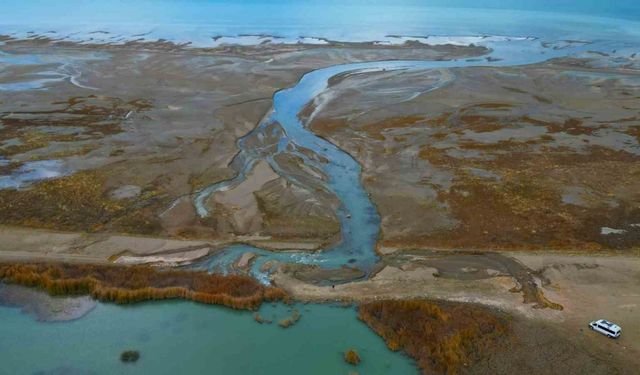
<point>189,338</point>
<point>182,337</point>
<point>197,21</point>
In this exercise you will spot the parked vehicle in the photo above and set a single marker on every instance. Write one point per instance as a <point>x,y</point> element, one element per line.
<point>606,328</point>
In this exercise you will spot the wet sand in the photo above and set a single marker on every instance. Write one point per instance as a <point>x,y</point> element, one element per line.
<point>23,244</point>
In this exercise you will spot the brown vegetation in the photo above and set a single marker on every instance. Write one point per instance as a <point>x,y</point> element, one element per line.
<point>101,114</point>
<point>523,207</point>
<point>288,322</point>
<point>520,169</point>
<point>440,336</point>
<point>124,285</point>
<point>96,116</point>
<point>351,357</point>
<point>376,130</point>
<point>78,202</point>
<point>260,319</point>
<point>68,203</point>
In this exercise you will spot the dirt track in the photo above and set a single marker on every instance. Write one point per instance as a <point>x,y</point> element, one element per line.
<point>587,288</point>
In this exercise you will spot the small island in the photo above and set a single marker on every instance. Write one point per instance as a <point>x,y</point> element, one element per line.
<point>352,357</point>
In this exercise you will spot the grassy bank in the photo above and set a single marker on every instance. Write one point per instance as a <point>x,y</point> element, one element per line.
<point>122,285</point>
<point>440,336</point>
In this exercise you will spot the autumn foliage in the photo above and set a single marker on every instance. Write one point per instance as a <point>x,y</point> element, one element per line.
<point>351,357</point>
<point>122,285</point>
<point>439,336</point>
<point>288,322</point>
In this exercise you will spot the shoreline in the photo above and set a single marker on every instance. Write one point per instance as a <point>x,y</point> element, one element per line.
<point>131,284</point>
<point>260,50</point>
<point>472,196</point>
<point>29,244</point>
<point>167,251</point>
<point>532,329</point>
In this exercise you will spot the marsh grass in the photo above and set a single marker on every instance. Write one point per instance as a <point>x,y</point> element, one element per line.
<point>79,202</point>
<point>290,321</point>
<point>352,357</point>
<point>124,285</point>
<point>440,336</point>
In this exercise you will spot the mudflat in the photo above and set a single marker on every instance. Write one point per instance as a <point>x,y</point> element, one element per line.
<point>511,187</point>
<point>133,131</point>
<point>543,156</point>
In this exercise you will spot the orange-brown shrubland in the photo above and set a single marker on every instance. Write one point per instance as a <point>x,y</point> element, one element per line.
<point>440,336</point>
<point>140,283</point>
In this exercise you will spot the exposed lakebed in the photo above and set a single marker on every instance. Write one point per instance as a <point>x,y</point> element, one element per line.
<point>183,337</point>
<point>283,131</point>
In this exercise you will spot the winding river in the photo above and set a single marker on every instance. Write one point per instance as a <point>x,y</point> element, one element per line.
<point>359,219</point>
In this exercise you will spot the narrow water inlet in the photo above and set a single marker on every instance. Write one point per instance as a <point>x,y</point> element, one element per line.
<point>359,219</point>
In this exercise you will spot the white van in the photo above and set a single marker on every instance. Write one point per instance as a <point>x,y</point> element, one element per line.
<point>606,328</point>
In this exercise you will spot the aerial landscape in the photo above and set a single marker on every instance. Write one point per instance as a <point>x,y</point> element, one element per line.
<point>319,187</point>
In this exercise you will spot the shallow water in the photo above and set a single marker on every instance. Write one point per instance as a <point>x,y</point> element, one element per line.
<point>31,172</point>
<point>188,338</point>
<point>531,33</point>
<point>360,222</point>
<point>182,337</point>
<point>60,67</point>
<point>198,21</point>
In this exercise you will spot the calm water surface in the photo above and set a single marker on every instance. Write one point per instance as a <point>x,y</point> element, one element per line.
<point>197,21</point>
<point>182,337</point>
<point>189,338</point>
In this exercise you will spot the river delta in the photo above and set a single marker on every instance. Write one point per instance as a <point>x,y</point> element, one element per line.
<point>496,166</point>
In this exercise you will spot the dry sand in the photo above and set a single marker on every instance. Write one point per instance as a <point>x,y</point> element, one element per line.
<point>588,288</point>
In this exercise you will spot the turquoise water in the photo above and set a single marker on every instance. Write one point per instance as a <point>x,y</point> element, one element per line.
<point>196,21</point>
<point>188,338</point>
<point>530,32</point>
<point>359,219</point>
<point>181,337</point>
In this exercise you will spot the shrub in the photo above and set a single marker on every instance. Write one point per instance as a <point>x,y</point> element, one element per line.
<point>288,322</point>
<point>439,336</point>
<point>122,284</point>
<point>130,356</point>
<point>351,357</point>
